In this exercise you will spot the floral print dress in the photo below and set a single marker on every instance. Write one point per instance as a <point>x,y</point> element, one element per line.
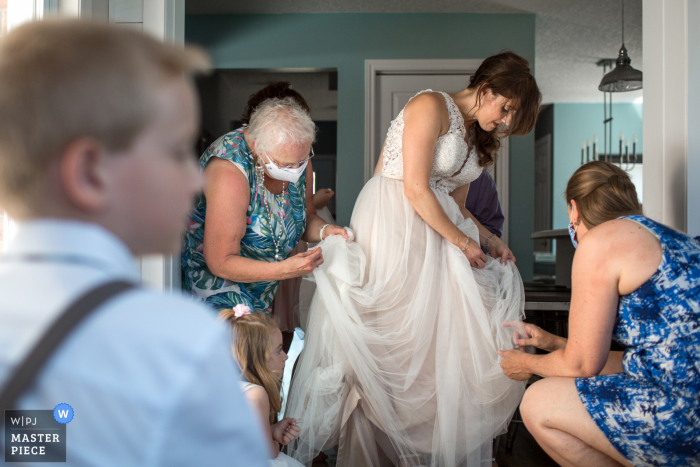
<point>651,411</point>
<point>287,224</point>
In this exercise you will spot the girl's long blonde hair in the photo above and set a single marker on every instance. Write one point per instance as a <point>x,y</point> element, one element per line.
<point>252,346</point>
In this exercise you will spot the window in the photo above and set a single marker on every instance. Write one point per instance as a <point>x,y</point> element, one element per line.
<point>3,31</point>
<point>3,17</point>
<point>18,11</point>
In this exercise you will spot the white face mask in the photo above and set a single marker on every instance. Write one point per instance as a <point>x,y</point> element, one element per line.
<point>285,174</point>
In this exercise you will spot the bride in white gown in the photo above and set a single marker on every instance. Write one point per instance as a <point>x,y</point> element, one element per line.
<point>401,365</point>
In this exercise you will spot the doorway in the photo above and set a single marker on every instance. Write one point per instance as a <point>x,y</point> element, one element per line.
<point>225,92</point>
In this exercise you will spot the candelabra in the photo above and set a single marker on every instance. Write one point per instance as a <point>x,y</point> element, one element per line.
<point>589,153</point>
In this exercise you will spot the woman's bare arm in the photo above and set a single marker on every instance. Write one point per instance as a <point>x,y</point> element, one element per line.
<point>496,247</point>
<point>612,259</point>
<point>228,194</point>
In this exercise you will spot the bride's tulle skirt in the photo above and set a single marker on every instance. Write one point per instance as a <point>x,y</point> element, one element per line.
<point>400,365</point>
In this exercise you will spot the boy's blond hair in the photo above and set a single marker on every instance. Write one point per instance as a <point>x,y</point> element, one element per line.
<point>65,79</point>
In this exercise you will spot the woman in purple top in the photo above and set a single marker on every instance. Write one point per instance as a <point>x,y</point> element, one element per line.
<point>482,202</point>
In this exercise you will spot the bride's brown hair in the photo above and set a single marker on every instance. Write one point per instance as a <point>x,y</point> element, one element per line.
<point>506,74</point>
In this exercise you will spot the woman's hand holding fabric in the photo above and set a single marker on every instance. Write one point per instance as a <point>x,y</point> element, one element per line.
<point>537,337</point>
<point>498,249</point>
<point>285,431</point>
<point>513,364</point>
<point>335,230</point>
<point>302,263</point>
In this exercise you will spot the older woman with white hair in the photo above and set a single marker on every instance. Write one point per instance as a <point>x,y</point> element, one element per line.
<point>256,205</point>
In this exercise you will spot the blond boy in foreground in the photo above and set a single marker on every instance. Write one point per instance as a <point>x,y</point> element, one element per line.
<point>96,131</point>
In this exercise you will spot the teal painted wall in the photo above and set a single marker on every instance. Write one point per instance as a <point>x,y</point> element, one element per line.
<point>573,125</point>
<point>344,41</point>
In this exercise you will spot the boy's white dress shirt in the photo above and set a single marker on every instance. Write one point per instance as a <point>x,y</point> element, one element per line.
<point>150,376</point>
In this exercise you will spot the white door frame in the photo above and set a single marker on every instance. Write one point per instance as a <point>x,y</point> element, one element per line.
<point>671,145</point>
<point>373,68</point>
<point>164,19</point>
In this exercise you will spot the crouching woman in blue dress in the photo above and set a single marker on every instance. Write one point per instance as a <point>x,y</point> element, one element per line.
<point>638,282</point>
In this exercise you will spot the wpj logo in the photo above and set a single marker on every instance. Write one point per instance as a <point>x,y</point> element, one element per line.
<point>37,435</point>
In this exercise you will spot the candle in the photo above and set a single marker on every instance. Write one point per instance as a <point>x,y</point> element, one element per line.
<point>621,138</point>
<point>588,150</point>
<point>583,145</point>
<point>595,150</point>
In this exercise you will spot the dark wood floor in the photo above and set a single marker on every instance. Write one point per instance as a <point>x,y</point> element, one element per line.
<point>525,452</point>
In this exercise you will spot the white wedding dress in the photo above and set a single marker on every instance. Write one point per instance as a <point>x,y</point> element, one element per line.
<point>400,365</point>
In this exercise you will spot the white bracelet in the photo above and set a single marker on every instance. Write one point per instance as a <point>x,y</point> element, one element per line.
<point>322,229</point>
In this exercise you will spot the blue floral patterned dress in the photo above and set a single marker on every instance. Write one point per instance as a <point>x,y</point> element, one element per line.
<point>651,411</point>
<point>288,218</point>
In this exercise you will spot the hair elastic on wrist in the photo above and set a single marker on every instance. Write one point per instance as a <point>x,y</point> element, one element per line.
<point>486,243</point>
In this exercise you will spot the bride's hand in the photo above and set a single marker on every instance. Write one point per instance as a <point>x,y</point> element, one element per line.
<point>498,249</point>
<point>473,252</point>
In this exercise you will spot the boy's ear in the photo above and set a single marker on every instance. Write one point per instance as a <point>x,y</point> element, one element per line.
<point>81,174</point>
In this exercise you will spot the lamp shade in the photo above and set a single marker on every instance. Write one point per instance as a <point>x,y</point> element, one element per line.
<point>623,77</point>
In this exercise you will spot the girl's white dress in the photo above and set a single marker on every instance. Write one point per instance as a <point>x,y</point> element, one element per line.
<point>400,365</point>
<point>282,460</point>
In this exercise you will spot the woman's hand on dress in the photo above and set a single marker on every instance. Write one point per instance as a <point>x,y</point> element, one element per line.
<point>537,337</point>
<point>513,364</point>
<point>335,230</point>
<point>302,263</point>
<point>473,252</point>
<point>285,431</point>
<point>498,249</point>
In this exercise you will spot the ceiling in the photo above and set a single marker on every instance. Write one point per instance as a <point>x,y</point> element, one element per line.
<point>570,35</point>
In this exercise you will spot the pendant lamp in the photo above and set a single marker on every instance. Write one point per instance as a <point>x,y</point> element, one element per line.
<point>623,77</point>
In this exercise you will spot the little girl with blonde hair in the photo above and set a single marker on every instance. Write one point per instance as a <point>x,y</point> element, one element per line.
<point>257,346</point>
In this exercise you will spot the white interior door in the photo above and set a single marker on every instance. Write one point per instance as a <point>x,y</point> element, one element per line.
<point>395,90</point>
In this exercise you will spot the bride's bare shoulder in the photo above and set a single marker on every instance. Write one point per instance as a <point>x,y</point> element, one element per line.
<point>429,105</point>
<point>427,101</point>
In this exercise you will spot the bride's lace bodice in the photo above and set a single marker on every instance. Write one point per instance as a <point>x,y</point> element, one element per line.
<point>449,168</point>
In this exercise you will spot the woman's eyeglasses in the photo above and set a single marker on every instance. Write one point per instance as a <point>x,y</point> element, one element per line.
<point>292,166</point>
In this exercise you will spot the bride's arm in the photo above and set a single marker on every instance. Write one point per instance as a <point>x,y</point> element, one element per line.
<point>487,239</point>
<point>425,119</point>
